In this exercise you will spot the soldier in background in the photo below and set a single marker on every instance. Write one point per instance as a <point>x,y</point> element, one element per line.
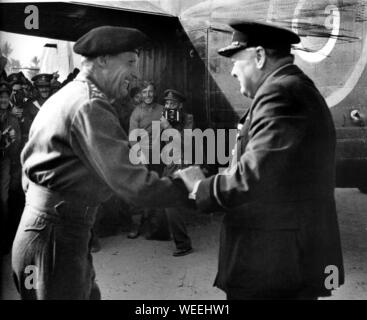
<point>174,117</point>
<point>18,101</point>
<point>26,86</point>
<point>153,222</point>
<point>42,83</point>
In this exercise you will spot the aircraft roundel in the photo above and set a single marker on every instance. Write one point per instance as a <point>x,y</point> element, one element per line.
<point>332,51</point>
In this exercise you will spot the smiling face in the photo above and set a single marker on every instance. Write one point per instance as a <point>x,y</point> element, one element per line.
<point>119,71</point>
<point>246,71</point>
<point>44,91</point>
<point>148,94</point>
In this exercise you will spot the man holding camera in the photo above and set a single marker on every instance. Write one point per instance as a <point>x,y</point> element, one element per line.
<point>174,117</point>
<point>17,97</point>
<point>42,83</point>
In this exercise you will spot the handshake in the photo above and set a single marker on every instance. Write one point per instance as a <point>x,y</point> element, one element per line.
<point>190,176</point>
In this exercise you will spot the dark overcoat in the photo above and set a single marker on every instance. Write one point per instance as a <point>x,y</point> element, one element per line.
<point>280,231</point>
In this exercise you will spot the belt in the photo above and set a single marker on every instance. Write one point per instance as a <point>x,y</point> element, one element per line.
<point>60,206</point>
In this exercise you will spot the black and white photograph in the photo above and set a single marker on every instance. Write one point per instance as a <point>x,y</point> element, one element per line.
<point>192,152</point>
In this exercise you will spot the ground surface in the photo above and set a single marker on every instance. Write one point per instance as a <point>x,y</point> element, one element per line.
<point>142,269</point>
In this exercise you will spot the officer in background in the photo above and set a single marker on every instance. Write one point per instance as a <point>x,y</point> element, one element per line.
<point>76,157</point>
<point>280,232</point>
<point>174,117</point>
<point>18,100</point>
<point>42,84</point>
<point>18,96</point>
<point>27,86</point>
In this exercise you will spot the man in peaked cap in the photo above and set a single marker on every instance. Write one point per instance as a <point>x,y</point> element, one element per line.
<point>31,107</point>
<point>280,234</point>
<point>42,82</point>
<point>76,157</point>
<point>18,101</point>
<point>17,97</point>
<point>175,117</point>
<point>14,78</point>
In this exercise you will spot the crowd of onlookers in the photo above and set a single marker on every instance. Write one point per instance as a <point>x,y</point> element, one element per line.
<point>20,101</point>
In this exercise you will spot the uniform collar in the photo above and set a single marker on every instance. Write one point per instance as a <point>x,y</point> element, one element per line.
<point>282,69</point>
<point>84,77</point>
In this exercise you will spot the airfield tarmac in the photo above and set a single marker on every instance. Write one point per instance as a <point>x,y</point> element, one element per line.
<point>142,269</point>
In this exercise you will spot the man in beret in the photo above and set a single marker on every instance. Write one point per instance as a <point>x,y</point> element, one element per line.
<point>280,235</point>
<point>76,157</point>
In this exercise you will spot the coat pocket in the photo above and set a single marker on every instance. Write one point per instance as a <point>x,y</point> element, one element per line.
<point>36,224</point>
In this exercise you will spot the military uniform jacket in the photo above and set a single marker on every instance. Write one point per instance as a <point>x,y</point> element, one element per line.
<point>77,147</point>
<point>280,229</point>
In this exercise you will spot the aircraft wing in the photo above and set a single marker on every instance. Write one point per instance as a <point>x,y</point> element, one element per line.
<point>69,20</point>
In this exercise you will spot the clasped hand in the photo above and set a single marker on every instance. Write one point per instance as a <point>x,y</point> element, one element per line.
<point>190,176</point>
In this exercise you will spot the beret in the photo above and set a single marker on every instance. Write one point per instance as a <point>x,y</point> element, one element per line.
<point>251,34</point>
<point>171,94</point>
<point>4,87</point>
<point>109,40</point>
<point>42,79</point>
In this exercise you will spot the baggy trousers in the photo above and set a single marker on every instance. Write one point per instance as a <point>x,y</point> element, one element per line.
<point>51,256</point>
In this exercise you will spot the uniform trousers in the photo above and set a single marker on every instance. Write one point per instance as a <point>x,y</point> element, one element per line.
<point>51,257</point>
